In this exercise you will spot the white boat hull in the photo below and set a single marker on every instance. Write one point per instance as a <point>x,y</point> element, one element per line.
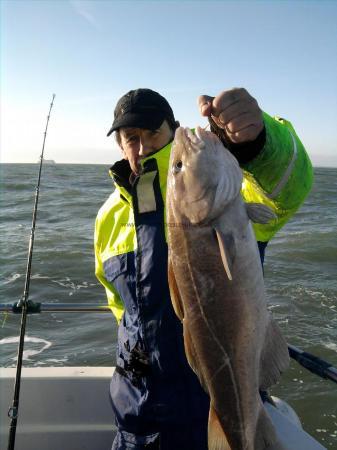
<point>68,408</point>
<point>64,408</point>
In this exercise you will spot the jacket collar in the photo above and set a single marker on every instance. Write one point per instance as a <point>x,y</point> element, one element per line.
<point>121,171</point>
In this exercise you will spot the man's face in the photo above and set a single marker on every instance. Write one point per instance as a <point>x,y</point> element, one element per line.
<point>137,143</point>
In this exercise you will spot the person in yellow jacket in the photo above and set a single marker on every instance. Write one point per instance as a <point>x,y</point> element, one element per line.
<point>156,398</point>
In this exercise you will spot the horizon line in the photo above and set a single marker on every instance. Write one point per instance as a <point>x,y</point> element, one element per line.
<point>111,163</point>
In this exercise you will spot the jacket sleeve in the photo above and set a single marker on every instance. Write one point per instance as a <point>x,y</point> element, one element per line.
<point>114,300</point>
<point>280,176</point>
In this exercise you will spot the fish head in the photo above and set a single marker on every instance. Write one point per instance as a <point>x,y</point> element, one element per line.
<point>203,176</point>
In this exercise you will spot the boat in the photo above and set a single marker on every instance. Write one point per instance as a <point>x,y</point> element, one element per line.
<point>47,161</point>
<point>64,408</point>
<point>68,408</point>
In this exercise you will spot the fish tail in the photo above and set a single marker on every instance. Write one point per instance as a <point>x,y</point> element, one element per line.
<point>216,437</point>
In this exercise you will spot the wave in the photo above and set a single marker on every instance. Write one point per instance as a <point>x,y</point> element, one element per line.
<point>27,354</point>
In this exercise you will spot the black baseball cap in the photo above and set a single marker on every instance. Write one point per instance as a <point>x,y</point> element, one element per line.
<point>141,108</point>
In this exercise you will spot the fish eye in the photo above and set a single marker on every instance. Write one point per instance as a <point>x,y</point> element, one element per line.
<point>177,166</point>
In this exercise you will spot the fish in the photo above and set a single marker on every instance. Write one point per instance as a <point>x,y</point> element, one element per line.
<point>217,290</point>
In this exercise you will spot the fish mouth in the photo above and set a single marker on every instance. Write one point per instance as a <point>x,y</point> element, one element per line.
<point>190,141</point>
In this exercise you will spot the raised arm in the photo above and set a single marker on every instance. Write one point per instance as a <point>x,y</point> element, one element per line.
<point>277,169</point>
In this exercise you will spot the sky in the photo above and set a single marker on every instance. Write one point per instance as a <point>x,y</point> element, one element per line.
<point>89,53</point>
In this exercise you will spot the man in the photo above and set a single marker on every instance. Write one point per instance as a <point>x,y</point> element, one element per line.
<point>156,398</point>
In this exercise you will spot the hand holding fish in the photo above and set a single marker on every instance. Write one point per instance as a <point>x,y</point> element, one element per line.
<point>234,111</point>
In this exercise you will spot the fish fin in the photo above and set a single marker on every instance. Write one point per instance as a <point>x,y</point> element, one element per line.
<point>274,357</point>
<point>174,292</point>
<point>226,246</point>
<point>192,357</point>
<point>216,436</point>
<point>259,213</point>
<point>265,434</point>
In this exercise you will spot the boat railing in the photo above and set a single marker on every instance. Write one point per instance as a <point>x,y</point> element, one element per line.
<point>313,363</point>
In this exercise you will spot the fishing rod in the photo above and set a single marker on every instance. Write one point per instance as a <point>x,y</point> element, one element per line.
<point>23,304</point>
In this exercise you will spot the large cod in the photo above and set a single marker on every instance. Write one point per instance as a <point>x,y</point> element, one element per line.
<point>217,291</point>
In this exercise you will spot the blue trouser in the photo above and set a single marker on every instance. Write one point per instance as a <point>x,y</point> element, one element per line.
<point>160,425</point>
